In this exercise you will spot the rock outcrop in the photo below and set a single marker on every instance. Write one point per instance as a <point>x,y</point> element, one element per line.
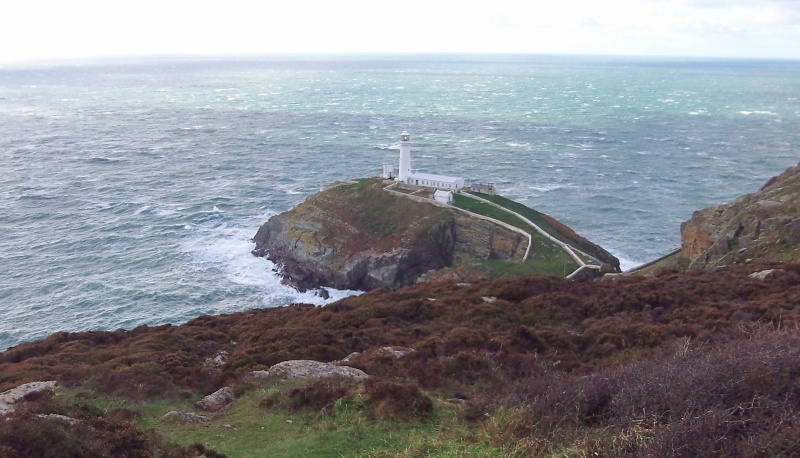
<point>185,418</point>
<point>9,398</point>
<point>313,369</point>
<point>763,226</point>
<point>217,400</point>
<point>358,236</point>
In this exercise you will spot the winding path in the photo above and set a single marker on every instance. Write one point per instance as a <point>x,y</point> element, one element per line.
<point>566,247</point>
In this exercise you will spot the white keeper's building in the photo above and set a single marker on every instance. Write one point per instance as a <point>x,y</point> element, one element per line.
<point>406,175</point>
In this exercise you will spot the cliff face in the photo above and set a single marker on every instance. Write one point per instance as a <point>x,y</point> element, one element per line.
<point>764,226</point>
<point>358,236</point>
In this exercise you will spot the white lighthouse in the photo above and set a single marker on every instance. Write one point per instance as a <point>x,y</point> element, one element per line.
<point>405,157</point>
<point>429,180</point>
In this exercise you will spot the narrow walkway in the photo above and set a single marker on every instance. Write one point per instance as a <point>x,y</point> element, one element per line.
<point>654,261</point>
<point>566,247</point>
<point>474,215</point>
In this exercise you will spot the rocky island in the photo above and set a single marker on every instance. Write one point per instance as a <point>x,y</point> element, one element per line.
<point>370,233</point>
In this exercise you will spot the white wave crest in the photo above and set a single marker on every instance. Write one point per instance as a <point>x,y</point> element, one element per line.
<point>545,187</point>
<point>626,263</point>
<point>227,251</point>
<point>758,112</point>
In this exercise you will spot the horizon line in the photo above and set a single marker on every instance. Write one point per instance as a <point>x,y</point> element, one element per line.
<point>66,60</point>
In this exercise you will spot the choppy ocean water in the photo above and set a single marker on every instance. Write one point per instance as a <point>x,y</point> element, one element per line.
<point>130,189</point>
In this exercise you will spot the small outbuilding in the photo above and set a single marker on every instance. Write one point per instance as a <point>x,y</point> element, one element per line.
<point>389,171</point>
<point>442,196</point>
<point>483,188</point>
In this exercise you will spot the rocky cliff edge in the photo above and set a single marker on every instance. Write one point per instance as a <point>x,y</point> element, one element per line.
<point>763,226</point>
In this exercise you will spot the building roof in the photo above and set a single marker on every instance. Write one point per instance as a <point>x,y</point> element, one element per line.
<point>434,177</point>
<point>441,192</point>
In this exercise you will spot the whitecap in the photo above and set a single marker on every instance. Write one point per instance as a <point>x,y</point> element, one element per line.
<point>141,209</point>
<point>160,211</point>
<point>626,263</point>
<point>545,187</point>
<point>228,250</point>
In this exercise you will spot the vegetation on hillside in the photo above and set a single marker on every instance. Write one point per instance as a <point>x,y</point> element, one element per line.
<point>553,227</point>
<point>679,364</point>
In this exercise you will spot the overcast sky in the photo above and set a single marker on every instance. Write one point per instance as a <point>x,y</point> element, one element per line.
<point>48,29</point>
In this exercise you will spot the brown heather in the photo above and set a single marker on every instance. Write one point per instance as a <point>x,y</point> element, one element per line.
<point>27,434</point>
<point>680,364</point>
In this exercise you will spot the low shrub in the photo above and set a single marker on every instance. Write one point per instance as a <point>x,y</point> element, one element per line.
<point>319,395</point>
<point>393,400</point>
<point>81,432</point>
<point>739,399</point>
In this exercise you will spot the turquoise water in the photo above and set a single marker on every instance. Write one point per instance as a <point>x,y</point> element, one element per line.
<point>130,189</point>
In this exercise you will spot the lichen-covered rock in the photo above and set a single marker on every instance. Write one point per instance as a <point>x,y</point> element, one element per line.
<point>349,357</point>
<point>253,375</point>
<point>9,398</point>
<point>185,418</point>
<point>213,365</point>
<point>313,369</point>
<point>62,418</point>
<point>396,352</point>
<point>217,361</point>
<point>765,274</point>
<point>764,226</point>
<point>217,400</point>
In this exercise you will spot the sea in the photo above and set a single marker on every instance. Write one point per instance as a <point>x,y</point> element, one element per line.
<point>130,188</point>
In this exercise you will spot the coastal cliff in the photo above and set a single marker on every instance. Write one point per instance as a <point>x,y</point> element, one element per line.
<point>357,235</point>
<point>759,227</point>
